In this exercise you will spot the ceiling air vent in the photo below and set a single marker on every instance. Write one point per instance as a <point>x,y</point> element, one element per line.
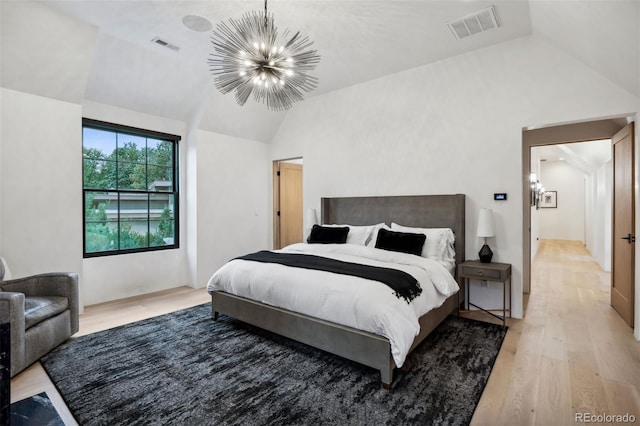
<point>474,23</point>
<point>166,44</point>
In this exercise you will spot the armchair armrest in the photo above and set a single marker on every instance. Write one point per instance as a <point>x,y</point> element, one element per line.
<point>4,311</point>
<point>15,302</point>
<point>63,284</point>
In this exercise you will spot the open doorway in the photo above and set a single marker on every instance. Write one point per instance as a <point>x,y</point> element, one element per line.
<point>588,225</point>
<point>574,199</point>
<point>287,202</point>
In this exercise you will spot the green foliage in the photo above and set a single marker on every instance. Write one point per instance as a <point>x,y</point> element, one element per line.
<point>165,229</point>
<point>131,239</point>
<point>136,168</point>
<point>98,236</point>
<point>130,166</point>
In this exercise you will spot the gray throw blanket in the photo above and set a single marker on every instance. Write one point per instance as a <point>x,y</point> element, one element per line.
<point>404,285</point>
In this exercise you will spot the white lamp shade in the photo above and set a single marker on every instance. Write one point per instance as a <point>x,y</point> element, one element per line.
<point>485,223</point>
<point>311,218</point>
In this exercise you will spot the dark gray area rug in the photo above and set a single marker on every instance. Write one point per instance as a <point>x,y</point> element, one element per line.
<point>185,369</point>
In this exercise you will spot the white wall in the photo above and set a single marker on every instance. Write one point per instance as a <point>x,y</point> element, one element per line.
<point>567,221</point>
<point>115,277</point>
<point>190,207</point>
<point>607,205</point>
<point>40,184</point>
<point>234,198</point>
<point>454,126</point>
<point>599,187</point>
<point>590,185</point>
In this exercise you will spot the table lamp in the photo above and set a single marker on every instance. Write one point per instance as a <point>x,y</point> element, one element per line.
<point>485,230</point>
<point>311,219</point>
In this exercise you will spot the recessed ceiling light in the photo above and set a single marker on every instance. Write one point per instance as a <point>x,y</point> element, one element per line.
<point>197,23</point>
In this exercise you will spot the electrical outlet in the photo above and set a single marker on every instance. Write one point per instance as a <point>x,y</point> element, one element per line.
<point>483,283</point>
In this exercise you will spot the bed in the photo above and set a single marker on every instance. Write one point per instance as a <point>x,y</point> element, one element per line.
<point>371,349</point>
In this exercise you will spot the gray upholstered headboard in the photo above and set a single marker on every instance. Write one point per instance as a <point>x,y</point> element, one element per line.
<point>424,211</point>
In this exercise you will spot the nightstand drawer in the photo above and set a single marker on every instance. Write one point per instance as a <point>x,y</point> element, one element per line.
<point>481,273</point>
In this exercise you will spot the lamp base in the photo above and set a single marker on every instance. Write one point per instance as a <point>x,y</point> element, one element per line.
<point>485,254</point>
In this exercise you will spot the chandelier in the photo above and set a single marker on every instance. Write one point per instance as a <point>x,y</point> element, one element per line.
<point>250,57</point>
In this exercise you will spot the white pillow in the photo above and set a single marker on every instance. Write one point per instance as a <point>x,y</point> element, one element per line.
<point>7,272</point>
<point>374,234</point>
<point>439,243</point>
<point>360,235</point>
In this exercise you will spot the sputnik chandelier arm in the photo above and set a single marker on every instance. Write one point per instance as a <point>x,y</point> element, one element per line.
<point>250,56</point>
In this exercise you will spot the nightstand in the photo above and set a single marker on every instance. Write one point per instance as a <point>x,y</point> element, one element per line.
<point>475,270</point>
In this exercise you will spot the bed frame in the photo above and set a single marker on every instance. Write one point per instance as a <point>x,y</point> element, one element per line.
<point>425,211</point>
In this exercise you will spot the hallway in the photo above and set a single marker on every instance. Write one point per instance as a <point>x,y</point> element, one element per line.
<point>571,353</point>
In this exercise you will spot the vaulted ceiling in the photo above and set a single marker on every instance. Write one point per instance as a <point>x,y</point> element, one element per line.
<point>102,51</point>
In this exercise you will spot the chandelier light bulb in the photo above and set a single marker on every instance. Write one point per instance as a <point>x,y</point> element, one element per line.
<point>252,50</point>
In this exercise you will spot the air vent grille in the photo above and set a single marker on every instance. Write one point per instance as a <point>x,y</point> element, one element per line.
<point>474,23</point>
<point>166,44</point>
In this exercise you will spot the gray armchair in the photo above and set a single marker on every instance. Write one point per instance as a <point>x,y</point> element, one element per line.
<point>43,312</point>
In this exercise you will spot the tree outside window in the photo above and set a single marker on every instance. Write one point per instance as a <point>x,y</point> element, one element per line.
<point>130,190</point>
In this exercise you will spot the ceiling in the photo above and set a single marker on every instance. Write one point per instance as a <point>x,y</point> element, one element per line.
<point>584,156</point>
<point>101,51</point>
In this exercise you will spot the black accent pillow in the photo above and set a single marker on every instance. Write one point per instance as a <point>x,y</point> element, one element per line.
<point>405,242</point>
<point>328,234</point>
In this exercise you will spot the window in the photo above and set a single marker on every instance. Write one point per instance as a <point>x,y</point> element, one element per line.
<point>130,189</point>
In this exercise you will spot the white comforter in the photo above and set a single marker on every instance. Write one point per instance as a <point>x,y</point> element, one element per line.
<point>352,301</point>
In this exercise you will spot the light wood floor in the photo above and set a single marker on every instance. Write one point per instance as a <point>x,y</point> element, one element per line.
<point>570,354</point>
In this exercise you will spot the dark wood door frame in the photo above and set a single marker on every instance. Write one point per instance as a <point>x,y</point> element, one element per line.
<point>555,135</point>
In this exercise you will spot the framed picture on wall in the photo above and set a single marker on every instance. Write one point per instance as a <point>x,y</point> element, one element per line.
<point>549,200</point>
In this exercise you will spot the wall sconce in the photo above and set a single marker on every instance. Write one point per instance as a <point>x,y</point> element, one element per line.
<point>532,188</point>
<point>539,193</point>
<point>535,190</point>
